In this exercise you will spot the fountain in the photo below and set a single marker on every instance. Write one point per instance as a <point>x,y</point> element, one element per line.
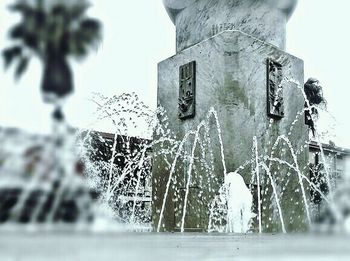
<point>231,85</point>
<point>41,183</point>
<point>124,189</point>
<point>233,207</point>
<point>229,148</point>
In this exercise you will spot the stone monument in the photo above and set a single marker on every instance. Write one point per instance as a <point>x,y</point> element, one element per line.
<point>231,57</point>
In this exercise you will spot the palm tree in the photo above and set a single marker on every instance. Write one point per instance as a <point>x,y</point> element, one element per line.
<point>53,31</point>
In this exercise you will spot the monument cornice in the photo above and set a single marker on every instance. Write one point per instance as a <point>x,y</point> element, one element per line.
<point>174,7</point>
<point>197,20</point>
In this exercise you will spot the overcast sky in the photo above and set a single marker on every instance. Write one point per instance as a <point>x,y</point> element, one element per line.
<point>138,34</point>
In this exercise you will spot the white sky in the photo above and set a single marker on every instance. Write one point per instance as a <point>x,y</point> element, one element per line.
<point>138,34</point>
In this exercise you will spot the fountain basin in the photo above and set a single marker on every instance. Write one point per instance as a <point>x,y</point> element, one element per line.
<point>150,246</point>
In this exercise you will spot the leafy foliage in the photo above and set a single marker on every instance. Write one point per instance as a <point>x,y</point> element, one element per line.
<point>313,91</point>
<point>314,94</point>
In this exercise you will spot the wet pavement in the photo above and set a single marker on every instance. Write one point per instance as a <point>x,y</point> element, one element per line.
<point>86,246</point>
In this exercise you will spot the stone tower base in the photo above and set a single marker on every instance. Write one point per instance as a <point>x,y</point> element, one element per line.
<point>233,75</point>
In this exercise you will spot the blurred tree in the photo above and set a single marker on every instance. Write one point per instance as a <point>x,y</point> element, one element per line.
<point>52,30</point>
<point>314,95</point>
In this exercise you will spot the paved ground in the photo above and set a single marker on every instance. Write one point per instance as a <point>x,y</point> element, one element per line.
<point>54,246</point>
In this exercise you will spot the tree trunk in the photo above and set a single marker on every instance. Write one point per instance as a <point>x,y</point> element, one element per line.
<point>57,79</point>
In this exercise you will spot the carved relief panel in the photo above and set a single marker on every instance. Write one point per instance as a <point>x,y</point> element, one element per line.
<point>275,102</point>
<point>187,90</point>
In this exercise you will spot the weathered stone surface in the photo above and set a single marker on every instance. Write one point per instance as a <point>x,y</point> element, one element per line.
<point>197,20</point>
<point>232,78</point>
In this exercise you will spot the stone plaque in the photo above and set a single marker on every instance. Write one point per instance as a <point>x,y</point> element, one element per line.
<point>275,103</point>
<point>187,90</point>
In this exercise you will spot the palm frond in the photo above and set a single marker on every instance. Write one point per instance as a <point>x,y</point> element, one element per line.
<point>90,24</point>
<point>78,10</point>
<point>76,46</point>
<point>40,17</point>
<point>17,31</point>
<point>30,36</point>
<point>84,37</point>
<point>59,10</point>
<point>30,29</point>
<point>90,31</point>
<point>19,6</point>
<point>22,7</point>
<point>22,66</point>
<point>10,54</point>
<point>32,40</point>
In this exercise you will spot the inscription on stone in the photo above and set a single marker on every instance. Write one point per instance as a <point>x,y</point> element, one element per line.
<point>217,28</point>
<point>275,103</point>
<point>187,90</point>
